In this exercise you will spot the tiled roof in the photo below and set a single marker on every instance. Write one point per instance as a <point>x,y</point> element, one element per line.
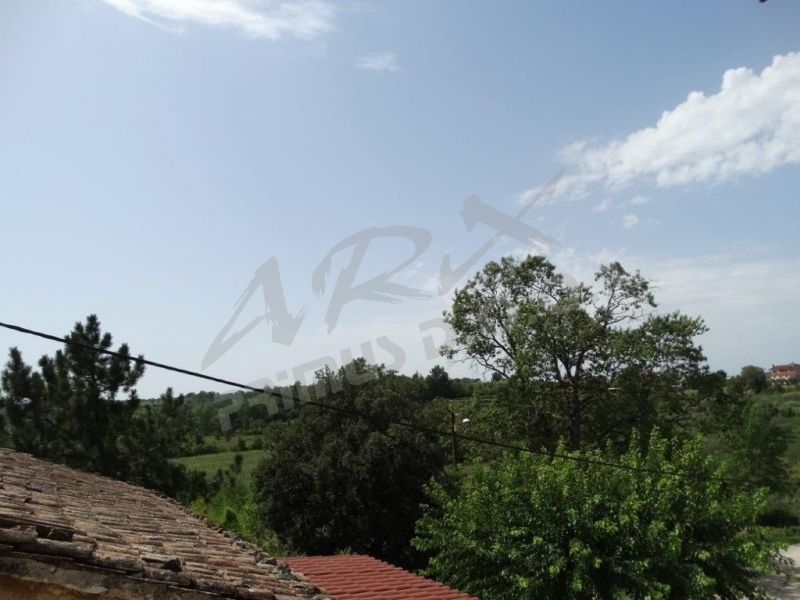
<point>53,514</point>
<point>356,577</point>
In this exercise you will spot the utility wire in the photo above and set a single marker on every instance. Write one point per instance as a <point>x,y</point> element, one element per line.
<point>136,359</point>
<point>362,415</point>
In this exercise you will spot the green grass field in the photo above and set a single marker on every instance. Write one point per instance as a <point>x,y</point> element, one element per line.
<point>211,463</point>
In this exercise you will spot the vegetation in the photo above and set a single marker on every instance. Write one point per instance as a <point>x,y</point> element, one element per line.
<point>751,379</point>
<point>331,482</point>
<point>585,363</point>
<point>531,527</point>
<point>591,372</point>
<point>69,412</point>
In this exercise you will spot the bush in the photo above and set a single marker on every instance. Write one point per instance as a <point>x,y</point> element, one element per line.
<point>233,508</point>
<point>531,527</point>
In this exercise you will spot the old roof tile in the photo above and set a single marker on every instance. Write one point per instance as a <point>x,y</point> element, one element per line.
<point>49,513</point>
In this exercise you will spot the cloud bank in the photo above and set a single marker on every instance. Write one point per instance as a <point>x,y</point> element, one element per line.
<point>750,127</point>
<point>261,19</point>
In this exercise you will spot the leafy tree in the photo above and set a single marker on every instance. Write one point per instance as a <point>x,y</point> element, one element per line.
<point>757,447</point>
<point>750,436</point>
<point>332,481</point>
<point>584,362</point>
<point>753,379</point>
<point>532,527</point>
<point>439,384</point>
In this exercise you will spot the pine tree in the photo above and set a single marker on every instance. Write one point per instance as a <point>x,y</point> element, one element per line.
<point>69,410</point>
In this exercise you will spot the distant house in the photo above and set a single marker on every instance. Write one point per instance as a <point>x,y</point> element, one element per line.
<point>69,535</point>
<point>358,577</point>
<point>785,373</point>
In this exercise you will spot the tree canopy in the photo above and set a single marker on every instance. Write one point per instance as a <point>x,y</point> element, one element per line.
<point>584,362</point>
<point>333,482</point>
<point>752,379</point>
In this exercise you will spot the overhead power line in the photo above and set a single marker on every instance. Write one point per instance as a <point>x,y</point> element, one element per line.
<point>360,414</point>
<point>135,359</point>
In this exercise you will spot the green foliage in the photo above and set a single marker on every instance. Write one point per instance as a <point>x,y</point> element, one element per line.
<point>586,363</point>
<point>439,384</point>
<point>749,433</point>
<point>531,527</point>
<point>751,379</point>
<point>787,412</point>
<point>756,447</point>
<point>332,481</point>
<point>234,508</point>
<point>145,446</point>
<point>754,379</point>
<point>202,409</point>
<point>69,411</point>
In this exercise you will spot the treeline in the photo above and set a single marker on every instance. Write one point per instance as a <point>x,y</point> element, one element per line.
<point>639,472</point>
<point>194,421</point>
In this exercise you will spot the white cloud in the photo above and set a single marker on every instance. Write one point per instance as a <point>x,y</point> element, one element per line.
<point>630,221</point>
<point>639,200</point>
<point>268,20</point>
<point>750,127</point>
<point>381,63</point>
<point>603,206</point>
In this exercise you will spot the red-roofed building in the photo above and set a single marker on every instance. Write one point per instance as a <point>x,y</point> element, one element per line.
<point>790,372</point>
<point>358,577</point>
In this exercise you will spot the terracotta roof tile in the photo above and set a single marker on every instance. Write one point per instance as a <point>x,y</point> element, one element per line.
<point>54,513</point>
<point>358,577</point>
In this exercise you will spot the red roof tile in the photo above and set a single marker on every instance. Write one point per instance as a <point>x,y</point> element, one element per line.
<point>357,577</point>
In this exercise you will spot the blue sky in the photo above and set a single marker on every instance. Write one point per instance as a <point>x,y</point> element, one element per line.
<point>155,153</point>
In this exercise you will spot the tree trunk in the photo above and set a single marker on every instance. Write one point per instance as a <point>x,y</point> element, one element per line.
<point>575,422</point>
